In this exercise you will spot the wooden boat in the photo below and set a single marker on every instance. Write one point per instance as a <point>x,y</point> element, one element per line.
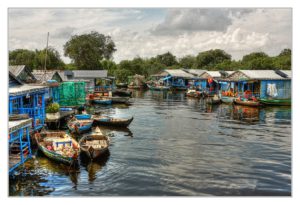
<point>158,88</point>
<point>95,144</point>
<point>275,101</point>
<point>212,101</point>
<point>250,103</point>
<point>113,122</point>
<point>227,99</point>
<point>122,93</point>
<point>58,146</point>
<point>122,85</point>
<point>193,93</point>
<point>102,101</point>
<point>116,99</point>
<point>80,126</point>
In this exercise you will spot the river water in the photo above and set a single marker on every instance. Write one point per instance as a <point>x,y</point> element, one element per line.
<point>177,146</point>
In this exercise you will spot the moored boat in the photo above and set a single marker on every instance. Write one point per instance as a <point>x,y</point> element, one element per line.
<point>193,93</point>
<point>227,99</point>
<point>122,85</point>
<point>121,93</point>
<point>80,126</point>
<point>58,146</point>
<point>83,117</point>
<point>251,103</point>
<point>95,144</point>
<point>276,101</point>
<point>113,122</point>
<point>102,101</point>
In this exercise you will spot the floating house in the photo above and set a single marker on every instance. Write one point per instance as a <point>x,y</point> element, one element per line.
<point>27,99</point>
<point>209,82</point>
<point>19,143</point>
<point>176,78</point>
<point>90,77</point>
<point>136,82</point>
<point>196,73</point>
<point>22,73</point>
<point>270,86</point>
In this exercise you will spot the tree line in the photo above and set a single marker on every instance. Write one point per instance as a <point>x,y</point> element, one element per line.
<point>94,51</point>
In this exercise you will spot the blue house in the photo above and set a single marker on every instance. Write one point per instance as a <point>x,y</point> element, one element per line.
<point>264,84</point>
<point>27,99</point>
<point>19,143</point>
<point>178,79</point>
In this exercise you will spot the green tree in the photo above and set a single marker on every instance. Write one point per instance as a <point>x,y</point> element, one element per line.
<point>168,59</point>
<point>109,65</point>
<point>88,50</point>
<point>283,60</point>
<point>53,59</point>
<point>257,61</point>
<point>208,59</point>
<point>187,61</point>
<point>22,57</point>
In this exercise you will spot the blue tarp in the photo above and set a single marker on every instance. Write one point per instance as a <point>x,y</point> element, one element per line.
<point>167,78</point>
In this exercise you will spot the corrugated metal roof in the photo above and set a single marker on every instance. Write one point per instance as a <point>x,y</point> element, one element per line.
<point>19,90</point>
<point>38,74</point>
<point>90,73</point>
<point>179,73</point>
<point>213,74</point>
<point>196,72</point>
<point>262,74</point>
<point>16,69</point>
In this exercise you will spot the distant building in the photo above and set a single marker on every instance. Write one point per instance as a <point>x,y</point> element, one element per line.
<point>88,76</point>
<point>22,73</point>
<point>42,76</point>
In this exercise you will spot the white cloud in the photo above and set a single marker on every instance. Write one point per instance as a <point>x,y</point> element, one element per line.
<point>135,31</point>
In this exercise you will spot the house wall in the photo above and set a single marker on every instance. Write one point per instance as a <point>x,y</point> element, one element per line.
<point>283,88</point>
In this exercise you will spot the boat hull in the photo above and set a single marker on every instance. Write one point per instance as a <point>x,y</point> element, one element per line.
<point>247,103</point>
<point>280,102</point>
<point>111,123</point>
<point>213,102</point>
<point>226,99</point>
<point>103,102</point>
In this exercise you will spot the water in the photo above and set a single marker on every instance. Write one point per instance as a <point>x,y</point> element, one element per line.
<point>177,146</point>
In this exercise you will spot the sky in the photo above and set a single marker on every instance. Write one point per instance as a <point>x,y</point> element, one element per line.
<point>147,32</point>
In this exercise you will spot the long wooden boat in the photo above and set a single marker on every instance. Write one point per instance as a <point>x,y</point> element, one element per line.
<point>113,122</point>
<point>102,101</point>
<point>80,126</point>
<point>95,144</point>
<point>227,99</point>
<point>276,101</point>
<point>158,88</point>
<point>250,103</point>
<point>58,146</point>
<point>122,93</point>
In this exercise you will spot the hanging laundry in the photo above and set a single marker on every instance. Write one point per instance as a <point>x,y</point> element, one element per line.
<point>272,90</point>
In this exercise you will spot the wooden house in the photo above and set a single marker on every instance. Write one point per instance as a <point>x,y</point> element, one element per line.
<point>22,73</point>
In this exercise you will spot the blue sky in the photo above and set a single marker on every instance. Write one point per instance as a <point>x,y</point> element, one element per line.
<point>146,32</point>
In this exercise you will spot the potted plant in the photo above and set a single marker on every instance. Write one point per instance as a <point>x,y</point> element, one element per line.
<point>52,111</point>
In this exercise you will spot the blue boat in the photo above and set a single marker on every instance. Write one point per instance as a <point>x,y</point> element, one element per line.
<point>80,126</point>
<point>83,117</point>
<point>103,101</point>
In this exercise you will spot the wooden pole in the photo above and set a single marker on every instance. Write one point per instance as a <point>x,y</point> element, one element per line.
<point>46,57</point>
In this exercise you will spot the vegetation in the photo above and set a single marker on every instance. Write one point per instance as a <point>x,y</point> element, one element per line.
<point>36,59</point>
<point>94,51</point>
<point>88,50</point>
<point>52,108</point>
